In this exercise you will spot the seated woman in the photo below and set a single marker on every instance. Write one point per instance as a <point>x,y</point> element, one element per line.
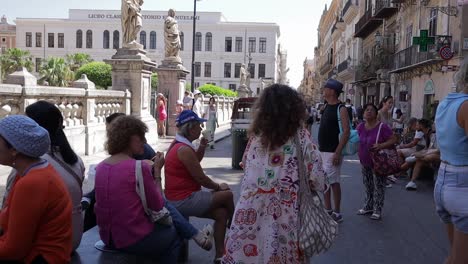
<point>185,177</point>
<point>405,150</point>
<point>64,160</point>
<point>36,220</point>
<point>121,217</point>
<point>423,159</point>
<point>428,157</point>
<point>409,131</point>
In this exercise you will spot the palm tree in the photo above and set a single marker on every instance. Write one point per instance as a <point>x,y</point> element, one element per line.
<point>75,61</point>
<point>56,72</point>
<point>14,58</point>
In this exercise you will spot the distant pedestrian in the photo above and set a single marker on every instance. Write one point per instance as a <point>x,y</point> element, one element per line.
<point>187,101</point>
<point>211,114</point>
<point>385,110</point>
<point>451,188</point>
<point>331,145</point>
<point>374,184</point>
<point>179,107</point>
<point>162,114</point>
<point>266,223</point>
<point>399,122</point>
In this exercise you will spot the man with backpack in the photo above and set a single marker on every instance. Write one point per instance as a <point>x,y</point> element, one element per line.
<point>331,143</point>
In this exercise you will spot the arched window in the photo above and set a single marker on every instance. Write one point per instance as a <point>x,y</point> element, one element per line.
<point>106,39</point>
<point>153,40</point>
<point>143,39</point>
<point>79,39</point>
<point>116,39</point>
<point>89,39</point>
<point>198,41</point>
<point>208,42</point>
<point>181,35</point>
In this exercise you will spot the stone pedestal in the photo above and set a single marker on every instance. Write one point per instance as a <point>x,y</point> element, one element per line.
<point>171,83</point>
<point>242,91</point>
<point>131,70</point>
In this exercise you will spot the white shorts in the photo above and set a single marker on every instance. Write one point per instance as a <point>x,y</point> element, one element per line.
<point>333,172</point>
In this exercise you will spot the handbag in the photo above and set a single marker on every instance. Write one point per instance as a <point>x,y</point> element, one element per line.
<point>162,216</point>
<point>352,145</point>
<point>317,229</point>
<point>385,161</point>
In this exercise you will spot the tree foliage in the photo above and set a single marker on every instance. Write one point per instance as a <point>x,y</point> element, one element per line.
<point>154,82</point>
<point>14,58</point>
<point>216,90</point>
<point>76,60</point>
<point>56,72</point>
<point>98,72</point>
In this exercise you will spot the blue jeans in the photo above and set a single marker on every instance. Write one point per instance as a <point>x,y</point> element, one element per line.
<point>182,225</point>
<point>451,196</point>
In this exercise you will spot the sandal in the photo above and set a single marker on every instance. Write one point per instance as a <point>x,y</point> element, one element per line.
<point>364,212</point>
<point>376,216</point>
<point>204,238</point>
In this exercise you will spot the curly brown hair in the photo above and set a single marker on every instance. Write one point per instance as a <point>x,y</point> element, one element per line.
<point>279,113</point>
<point>120,131</point>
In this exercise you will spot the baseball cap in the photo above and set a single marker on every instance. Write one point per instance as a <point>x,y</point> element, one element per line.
<point>187,116</point>
<point>196,92</point>
<point>335,85</point>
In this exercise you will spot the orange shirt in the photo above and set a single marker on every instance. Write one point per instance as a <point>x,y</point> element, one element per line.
<point>37,218</point>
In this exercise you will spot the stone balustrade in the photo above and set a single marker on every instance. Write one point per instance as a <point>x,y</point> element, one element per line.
<point>225,106</point>
<point>84,110</point>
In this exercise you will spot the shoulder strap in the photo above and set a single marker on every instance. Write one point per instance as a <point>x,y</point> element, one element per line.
<point>67,168</point>
<point>378,133</point>
<point>140,186</point>
<point>339,118</point>
<point>300,165</point>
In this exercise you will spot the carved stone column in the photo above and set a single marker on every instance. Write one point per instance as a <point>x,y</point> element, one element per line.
<point>131,70</point>
<point>171,83</point>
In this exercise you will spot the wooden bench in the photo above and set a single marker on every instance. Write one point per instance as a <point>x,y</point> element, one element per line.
<point>88,253</point>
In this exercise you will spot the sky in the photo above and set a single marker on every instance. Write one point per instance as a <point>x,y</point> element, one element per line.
<point>298,19</point>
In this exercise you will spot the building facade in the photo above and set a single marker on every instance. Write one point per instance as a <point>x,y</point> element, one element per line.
<point>221,47</point>
<point>409,49</point>
<point>7,35</point>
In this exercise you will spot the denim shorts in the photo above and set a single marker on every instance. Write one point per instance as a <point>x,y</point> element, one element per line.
<point>451,196</point>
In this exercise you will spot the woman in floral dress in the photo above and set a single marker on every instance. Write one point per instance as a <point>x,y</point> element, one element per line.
<point>266,220</point>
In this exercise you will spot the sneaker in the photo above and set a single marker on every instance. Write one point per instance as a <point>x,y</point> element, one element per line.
<point>337,217</point>
<point>411,159</point>
<point>392,178</point>
<point>411,186</point>
<point>388,185</point>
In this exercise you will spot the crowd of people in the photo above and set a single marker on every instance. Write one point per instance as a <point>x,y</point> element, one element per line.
<point>41,216</point>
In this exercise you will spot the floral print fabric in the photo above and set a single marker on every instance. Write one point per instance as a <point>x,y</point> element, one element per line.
<point>266,221</point>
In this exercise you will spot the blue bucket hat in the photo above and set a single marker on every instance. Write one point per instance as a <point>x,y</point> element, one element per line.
<point>187,116</point>
<point>335,85</point>
<point>25,135</point>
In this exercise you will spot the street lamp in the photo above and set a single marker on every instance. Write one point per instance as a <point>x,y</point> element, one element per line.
<point>192,81</point>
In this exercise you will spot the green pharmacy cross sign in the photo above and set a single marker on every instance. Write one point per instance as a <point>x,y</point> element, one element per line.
<point>423,40</point>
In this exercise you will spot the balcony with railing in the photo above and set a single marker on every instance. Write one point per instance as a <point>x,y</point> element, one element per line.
<point>385,9</point>
<point>325,68</point>
<point>343,66</point>
<point>411,57</point>
<point>349,11</point>
<point>366,24</point>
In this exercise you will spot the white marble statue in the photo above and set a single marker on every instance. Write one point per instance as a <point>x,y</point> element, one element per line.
<point>171,36</point>
<point>131,21</point>
<point>243,76</point>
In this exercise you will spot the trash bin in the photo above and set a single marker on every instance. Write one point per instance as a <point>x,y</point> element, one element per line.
<point>239,143</point>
